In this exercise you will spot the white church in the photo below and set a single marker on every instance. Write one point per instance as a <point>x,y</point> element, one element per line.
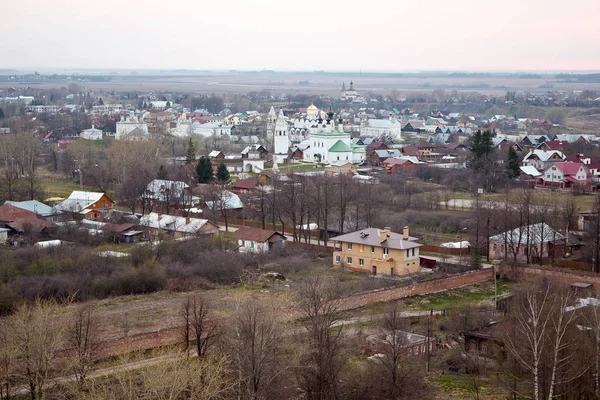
<point>323,142</point>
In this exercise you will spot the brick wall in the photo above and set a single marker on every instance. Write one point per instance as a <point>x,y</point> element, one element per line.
<point>560,275</point>
<point>172,336</point>
<point>428,287</point>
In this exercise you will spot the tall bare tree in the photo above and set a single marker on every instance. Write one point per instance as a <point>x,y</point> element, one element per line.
<point>84,343</point>
<point>320,368</point>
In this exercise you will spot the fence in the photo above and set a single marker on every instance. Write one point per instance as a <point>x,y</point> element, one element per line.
<point>309,247</point>
<point>445,250</point>
<point>576,265</point>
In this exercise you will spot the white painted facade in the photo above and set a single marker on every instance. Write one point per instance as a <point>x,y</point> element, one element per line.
<point>91,134</point>
<point>124,128</point>
<point>281,140</point>
<point>208,129</point>
<point>379,127</point>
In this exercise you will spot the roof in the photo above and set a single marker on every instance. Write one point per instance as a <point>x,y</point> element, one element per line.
<point>257,234</point>
<point>543,155</point>
<point>17,218</point>
<point>173,223</point>
<point>530,170</point>
<point>540,232</point>
<point>245,184</point>
<point>227,201</point>
<point>370,237</point>
<point>79,200</point>
<point>35,206</point>
<point>340,147</point>
<point>382,123</point>
<point>164,190</point>
<point>388,153</point>
<point>568,168</point>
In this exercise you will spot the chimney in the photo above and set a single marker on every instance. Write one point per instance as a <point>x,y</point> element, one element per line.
<point>382,236</point>
<point>405,233</point>
<point>388,231</point>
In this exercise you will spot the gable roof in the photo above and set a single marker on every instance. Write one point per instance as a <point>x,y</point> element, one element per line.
<point>17,218</point>
<point>35,206</point>
<point>245,184</point>
<point>257,234</point>
<point>79,200</point>
<point>539,233</point>
<point>174,223</point>
<point>568,168</point>
<point>370,237</point>
<point>543,155</point>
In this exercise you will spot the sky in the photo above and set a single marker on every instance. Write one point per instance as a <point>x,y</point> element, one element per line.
<point>332,35</point>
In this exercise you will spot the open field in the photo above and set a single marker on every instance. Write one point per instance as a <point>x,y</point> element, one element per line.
<point>319,83</point>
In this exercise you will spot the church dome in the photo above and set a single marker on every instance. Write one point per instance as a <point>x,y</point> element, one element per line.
<point>312,107</point>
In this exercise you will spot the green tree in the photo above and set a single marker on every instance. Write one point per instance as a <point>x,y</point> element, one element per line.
<point>168,105</point>
<point>204,171</point>
<point>100,102</point>
<point>222,173</point>
<point>1,113</point>
<point>191,152</point>
<point>162,173</point>
<point>512,164</point>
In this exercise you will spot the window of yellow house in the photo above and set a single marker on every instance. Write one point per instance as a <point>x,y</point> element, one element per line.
<point>413,252</point>
<point>361,248</point>
<point>372,249</point>
<point>337,259</point>
<point>407,254</point>
<point>349,246</point>
<point>385,251</point>
<point>349,260</point>
<point>361,262</point>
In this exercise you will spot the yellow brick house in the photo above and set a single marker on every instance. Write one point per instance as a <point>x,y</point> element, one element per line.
<point>377,251</point>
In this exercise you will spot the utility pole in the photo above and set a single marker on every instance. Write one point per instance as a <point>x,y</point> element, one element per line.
<point>428,341</point>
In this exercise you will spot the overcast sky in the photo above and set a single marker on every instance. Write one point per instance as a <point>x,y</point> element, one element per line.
<point>302,35</point>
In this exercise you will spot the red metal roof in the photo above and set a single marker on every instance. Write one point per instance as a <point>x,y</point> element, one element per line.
<point>568,168</point>
<point>245,184</point>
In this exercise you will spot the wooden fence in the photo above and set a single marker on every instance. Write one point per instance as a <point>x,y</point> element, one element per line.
<point>309,247</point>
<point>568,264</point>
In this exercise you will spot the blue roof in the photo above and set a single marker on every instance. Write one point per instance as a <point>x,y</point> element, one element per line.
<point>35,206</point>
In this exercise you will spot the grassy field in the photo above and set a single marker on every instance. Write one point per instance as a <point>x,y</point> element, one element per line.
<point>472,295</point>
<point>60,189</point>
<point>583,202</point>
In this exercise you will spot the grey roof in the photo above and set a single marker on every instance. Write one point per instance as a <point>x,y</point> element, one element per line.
<point>388,153</point>
<point>36,207</point>
<point>540,232</point>
<point>370,237</point>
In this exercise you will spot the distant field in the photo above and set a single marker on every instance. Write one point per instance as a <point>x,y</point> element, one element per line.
<point>330,84</point>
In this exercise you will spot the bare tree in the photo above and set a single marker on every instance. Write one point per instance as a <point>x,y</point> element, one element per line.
<point>83,340</point>
<point>38,334</point>
<point>393,326</point>
<point>256,344</point>
<point>195,313</point>
<point>320,368</point>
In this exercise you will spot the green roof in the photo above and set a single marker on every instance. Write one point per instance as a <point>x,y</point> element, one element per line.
<point>340,147</point>
<point>358,149</point>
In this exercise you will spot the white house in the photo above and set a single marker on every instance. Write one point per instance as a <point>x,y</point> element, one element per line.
<point>380,127</point>
<point>91,134</point>
<point>131,127</point>
<point>542,158</point>
<point>209,129</point>
<point>258,240</point>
